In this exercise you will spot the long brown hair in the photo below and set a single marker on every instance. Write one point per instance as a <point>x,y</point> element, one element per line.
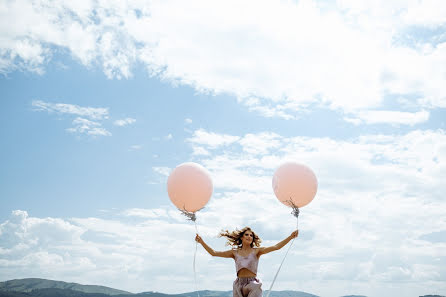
<point>235,237</point>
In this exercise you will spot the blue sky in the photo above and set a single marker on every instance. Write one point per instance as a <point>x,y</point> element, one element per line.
<point>101,100</point>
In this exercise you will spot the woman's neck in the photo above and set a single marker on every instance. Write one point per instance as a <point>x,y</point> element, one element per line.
<point>245,248</point>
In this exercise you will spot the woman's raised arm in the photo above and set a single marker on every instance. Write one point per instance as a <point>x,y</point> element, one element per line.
<point>279,245</point>
<point>225,254</point>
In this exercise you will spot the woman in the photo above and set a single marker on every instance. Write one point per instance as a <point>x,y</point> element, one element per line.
<point>246,252</point>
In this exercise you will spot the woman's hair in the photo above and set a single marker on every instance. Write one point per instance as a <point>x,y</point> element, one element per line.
<point>235,237</point>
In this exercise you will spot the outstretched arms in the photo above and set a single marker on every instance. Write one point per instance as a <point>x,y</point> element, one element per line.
<point>279,245</point>
<point>225,254</point>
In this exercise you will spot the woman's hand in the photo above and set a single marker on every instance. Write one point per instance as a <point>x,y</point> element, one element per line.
<point>294,234</point>
<point>198,239</point>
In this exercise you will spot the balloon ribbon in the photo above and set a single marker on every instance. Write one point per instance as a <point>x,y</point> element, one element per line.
<point>195,254</point>
<point>192,217</point>
<point>295,213</point>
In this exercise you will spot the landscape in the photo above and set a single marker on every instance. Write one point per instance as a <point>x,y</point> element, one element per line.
<point>35,287</point>
<point>140,137</point>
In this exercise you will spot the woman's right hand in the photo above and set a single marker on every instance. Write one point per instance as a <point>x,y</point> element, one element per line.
<point>198,239</point>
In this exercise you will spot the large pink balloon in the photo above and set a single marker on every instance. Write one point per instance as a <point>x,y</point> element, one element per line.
<point>189,186</point>
<point>295,182</point>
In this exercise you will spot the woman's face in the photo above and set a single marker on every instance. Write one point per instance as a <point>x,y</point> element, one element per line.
<point>247,237</point>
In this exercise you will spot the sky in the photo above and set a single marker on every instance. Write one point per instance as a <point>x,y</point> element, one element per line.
<point>101,100</point>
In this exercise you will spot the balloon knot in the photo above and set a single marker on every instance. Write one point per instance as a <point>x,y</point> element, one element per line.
<point>190,215</point>
<point>295,211</point>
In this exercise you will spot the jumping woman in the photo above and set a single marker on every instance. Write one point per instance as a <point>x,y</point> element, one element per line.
<point>246,252</point>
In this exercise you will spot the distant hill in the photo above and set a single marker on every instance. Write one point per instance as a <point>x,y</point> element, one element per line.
<point>57,292</point>
<point>29,284</point>
<point>204,293</point>
<point>52,293</point>
<point>229,294</point>
<point>36,287</point>
<point>289,294</point>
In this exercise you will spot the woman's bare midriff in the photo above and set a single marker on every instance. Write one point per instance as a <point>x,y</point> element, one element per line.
<point>245,273</point>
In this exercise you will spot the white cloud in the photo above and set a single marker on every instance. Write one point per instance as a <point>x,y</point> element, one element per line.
<point>88,120</point>
<point>93,251</point>
<point>368,188</point>
<point>188,121</point>
<point>136,147</point>
<point>288,55</point>
<point>379,198</point>
<point>84,126</point>
<point>94,113</point>
<point>430,13</point>
<point>417,71</point>
<point>260,143</point>
<point>211,140</point>
<point>389,117</point>
<point>162,170</point>
<point>146,213</point>
<point>31,55</point>
<point>198,150</point>
<point>124,122</point>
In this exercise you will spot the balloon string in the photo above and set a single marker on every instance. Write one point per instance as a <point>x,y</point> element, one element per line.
<point>195,254</point>
<point>289,247</point>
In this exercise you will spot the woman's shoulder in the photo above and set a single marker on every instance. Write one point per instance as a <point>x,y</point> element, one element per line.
<point>257,250</point>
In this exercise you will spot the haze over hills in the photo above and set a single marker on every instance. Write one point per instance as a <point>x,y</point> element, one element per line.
<point>29,284</point>
<point>36,287</point>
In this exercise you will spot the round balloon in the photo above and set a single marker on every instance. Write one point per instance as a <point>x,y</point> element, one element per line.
<point>189,186</point>
<point>294,182</point>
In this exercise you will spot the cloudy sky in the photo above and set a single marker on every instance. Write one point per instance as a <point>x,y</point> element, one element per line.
<point>100,100</point>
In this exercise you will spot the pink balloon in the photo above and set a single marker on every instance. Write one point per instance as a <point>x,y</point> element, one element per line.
<point>295,182</point>
<point>189,186</point>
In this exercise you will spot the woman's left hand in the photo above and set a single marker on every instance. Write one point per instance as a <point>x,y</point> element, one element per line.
<point>294,234</point>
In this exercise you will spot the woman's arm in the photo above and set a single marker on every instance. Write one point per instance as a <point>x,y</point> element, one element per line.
<point>225,254</point>
<point>278,246</point>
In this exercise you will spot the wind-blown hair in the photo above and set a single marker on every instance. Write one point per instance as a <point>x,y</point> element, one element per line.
<point>235,237</point>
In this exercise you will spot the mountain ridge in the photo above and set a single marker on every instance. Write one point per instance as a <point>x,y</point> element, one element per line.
<point>30,284</point>
<point>35,286</point>
<point>39,287</point>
